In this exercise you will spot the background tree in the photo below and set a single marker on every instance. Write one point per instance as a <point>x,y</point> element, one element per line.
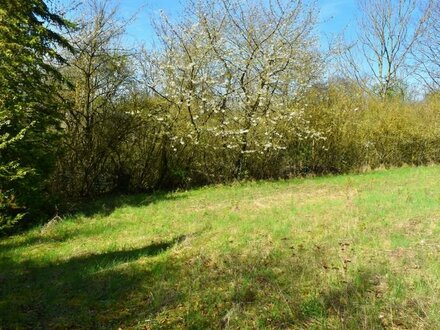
<point>95,127</point>
<point>231,74</point>
<point>428,53</point>
<point>388,31</point>
<point>29,108</point>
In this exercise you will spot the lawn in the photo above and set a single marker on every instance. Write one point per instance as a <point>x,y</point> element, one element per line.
<point>343,252</point>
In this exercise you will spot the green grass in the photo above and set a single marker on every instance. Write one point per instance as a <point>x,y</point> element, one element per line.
<point>350,252</point>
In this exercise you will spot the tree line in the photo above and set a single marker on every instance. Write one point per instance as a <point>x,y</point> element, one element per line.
<point>235,90</point>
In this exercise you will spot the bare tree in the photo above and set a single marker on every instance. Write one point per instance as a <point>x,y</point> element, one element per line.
<point>388,32</point>
<point>428,53</point>
<point>99,71</point>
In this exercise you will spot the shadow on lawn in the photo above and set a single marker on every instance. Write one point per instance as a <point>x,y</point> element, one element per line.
<point>83,292</point>
<point>100,291</point>
<point>353,303</point>
<point>106,205</point>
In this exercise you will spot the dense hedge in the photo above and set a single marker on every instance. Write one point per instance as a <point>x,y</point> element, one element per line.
<point>358,132</point>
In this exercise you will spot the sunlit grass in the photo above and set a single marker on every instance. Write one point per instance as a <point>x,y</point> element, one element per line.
<point>355,251</point>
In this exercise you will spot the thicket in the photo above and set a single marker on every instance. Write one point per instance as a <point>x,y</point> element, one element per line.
<point>235,91</point>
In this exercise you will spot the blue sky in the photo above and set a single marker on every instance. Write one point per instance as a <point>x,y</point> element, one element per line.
<point>335,15</point>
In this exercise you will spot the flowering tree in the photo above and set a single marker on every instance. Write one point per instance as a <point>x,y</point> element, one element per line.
<point>232,75</point>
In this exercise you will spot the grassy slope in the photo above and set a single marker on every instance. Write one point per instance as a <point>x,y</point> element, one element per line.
<point>350,252</point>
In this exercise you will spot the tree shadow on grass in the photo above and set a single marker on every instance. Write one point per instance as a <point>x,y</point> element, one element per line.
<point>140,287</point>
<point>104,206</point>
<point>83,292</point>
<point>351,304</point>
<point>344,304</point>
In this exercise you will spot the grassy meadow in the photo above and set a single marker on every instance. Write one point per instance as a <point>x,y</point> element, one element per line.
<point>342,252</point>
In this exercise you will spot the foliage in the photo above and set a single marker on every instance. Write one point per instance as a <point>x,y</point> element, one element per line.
<point>29,110</point>
<point>235,90</point>
<point>10,175</point>
<point>93,124</point>
<point>363,132</point>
